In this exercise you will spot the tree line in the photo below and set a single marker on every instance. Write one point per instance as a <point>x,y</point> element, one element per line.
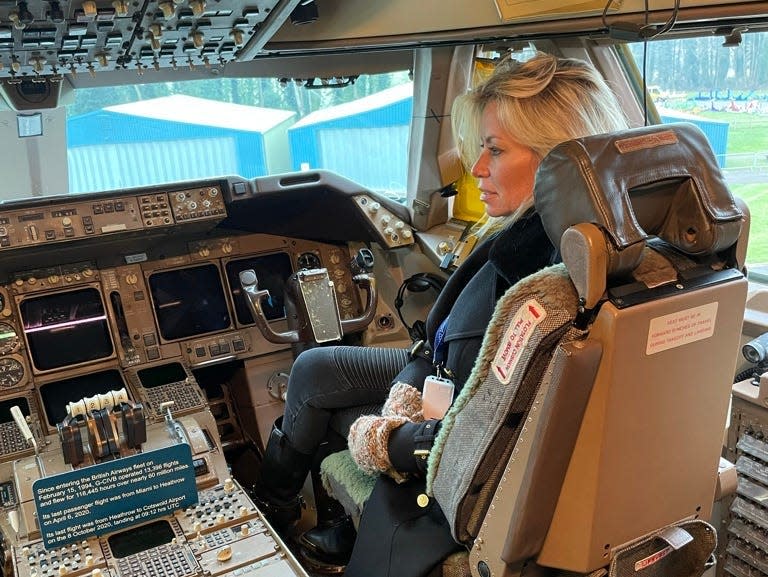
<point>262,92</point>
<point>704,64</point>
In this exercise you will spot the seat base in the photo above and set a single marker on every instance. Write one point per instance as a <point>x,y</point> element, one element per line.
<point>346,483</point>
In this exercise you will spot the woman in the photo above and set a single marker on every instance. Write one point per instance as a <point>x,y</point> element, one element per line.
<point>516,116</point>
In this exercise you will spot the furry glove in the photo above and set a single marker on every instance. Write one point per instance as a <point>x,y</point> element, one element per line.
<point>403,401</point>
<point>369,435</point>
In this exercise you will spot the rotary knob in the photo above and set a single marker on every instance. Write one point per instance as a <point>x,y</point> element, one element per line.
<point>131,278</point>
<point>224,554</point>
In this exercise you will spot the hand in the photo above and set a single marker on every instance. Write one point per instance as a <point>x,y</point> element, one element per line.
<point>368,439</point>
<point>403,401</point>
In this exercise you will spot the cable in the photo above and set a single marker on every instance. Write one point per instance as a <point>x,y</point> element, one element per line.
<point>752,372</point>
<point>632,32</point>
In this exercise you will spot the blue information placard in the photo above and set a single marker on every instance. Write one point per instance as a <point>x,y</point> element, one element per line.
<point>106,497</point>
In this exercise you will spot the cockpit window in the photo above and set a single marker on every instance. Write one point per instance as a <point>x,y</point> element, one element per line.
<point>719,83</point>
<point>140,135</point>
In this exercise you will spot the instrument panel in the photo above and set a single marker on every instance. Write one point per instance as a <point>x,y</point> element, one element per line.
<point>60,321</point>
<point>128,280</point>
<point>88,219</point>
<point>122,297</point>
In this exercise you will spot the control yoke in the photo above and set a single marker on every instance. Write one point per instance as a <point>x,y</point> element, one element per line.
<point>316,310</point>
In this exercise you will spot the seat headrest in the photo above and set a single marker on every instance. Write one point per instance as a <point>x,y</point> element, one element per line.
<point>660,181</point>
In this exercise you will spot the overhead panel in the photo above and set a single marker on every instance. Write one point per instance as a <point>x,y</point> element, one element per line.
<point>40,41</point>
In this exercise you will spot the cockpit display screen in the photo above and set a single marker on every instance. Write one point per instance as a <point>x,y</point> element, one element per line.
<point>5,408</point>
<point>66,328</point>
<point>272,270</point>
<point>189,301</point>
<point>161,375</point>
<point>140,539</point>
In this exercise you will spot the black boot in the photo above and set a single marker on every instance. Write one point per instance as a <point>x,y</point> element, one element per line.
<point>281,478</point>
<point>330,542</point>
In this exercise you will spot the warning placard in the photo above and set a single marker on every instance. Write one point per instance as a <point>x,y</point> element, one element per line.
<point>108,496</point>
<point>680,328</point>
<point>516,338</point>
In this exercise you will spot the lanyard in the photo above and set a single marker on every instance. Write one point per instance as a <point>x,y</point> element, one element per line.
<point>440,348</point>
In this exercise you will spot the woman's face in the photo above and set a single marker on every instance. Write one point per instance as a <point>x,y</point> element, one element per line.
<point>505,169</point>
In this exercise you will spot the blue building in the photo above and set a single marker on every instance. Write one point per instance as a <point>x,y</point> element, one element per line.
<point>716,130</point>
<point>128,145</point>
<point>376,127</point>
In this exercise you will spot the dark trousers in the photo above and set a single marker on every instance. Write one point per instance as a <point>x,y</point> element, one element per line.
<point>329,387</point>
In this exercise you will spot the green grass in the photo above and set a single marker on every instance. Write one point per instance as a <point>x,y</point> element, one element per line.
<point>747,132</point>
<point>748,136</point>
<point>756,197</point>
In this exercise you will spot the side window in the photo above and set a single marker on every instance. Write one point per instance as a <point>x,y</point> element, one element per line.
<point>719,83</point>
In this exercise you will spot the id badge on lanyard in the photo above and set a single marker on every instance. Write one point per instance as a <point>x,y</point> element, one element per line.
<point>437,393</point>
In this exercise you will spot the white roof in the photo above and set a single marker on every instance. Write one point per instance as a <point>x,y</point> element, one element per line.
<point>366,104</point>
<point>200,111</point>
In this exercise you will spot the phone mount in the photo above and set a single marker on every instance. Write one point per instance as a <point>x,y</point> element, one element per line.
<point>311,307</point>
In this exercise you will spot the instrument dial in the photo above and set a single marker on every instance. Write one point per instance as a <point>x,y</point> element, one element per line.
<point>11,372</point>
<point>9,339</point>
<point>308,260</point>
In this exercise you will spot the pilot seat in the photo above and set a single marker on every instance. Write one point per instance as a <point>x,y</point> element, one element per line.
<point>588,436</point>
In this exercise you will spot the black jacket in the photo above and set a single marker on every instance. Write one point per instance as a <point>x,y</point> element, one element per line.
<point>468,300</point>
<point>397,537</point>
<point>497,263</point>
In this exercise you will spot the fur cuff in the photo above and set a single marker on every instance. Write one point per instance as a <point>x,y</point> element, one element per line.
<point>368,439</point>
<point>403,401</point>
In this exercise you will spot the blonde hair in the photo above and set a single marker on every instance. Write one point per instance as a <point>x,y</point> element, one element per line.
<point>540,102</point>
